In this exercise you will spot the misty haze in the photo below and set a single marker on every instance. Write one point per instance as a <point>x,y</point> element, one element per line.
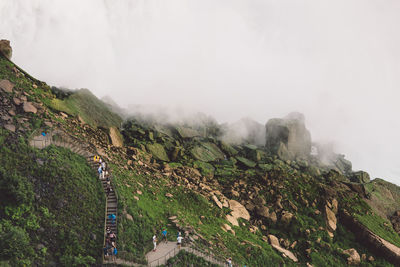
<point>337,62</point>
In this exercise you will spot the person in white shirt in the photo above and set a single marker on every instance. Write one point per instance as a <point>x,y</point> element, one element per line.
<point>154,242</point>
<point>179,239</point>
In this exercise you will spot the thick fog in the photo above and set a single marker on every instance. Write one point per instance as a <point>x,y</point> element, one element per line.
<point>338,62</point>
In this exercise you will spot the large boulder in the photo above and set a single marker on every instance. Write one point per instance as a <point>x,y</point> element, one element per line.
<point>354,258</point>
<point>288,137</point>
<point>157,151</point>
<point>361,177</point>
<point>238,210</point>
<point>6,86</point>
<point>29,107</point>
<point>116,138</point>
<point>331,220</point>
<point>207,152</point>
<point>5,48</point>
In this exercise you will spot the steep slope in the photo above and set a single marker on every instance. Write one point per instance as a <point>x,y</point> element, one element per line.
<point>261,207</point>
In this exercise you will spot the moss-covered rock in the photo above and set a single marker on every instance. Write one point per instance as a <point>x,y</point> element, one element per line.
<point>205,168</point>
<point>157,151</point>
<point>207,152</point>
<point>246,162</point>
<point>360,177</point>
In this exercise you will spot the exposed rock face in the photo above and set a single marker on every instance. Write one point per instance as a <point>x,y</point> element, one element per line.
<point>354,257</point>
<point>115,137</point>
<point>377,244</point>
<point>5,48</point>
<point>29,107</point>
<point>6,86</point>
<point>288,137</point>
<point>360,177</point>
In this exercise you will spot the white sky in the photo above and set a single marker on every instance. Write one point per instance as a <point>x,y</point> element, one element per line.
<point>338,62</point>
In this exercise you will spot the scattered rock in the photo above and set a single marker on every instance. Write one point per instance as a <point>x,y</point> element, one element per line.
<point>219,204</point>
<point>286,218</point>
<point>63,115</point>
<point>273,240</point>
<point>354,257</point>
<point>129,217</point>
<point>29,107</point>
<point>6,86</point>
<point>140,192</point>
<point>169,195</point>
<point>17,101</point>
<point>48,124</point>
<point>136,197</point>
<point>10,127</point>
<point>226,227</point>
<point>262,211</point>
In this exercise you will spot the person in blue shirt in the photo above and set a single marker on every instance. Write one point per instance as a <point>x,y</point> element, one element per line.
<point>112,218</point>
<point>164,234</point>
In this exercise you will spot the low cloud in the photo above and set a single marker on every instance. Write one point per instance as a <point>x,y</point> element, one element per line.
<point>336,62</point>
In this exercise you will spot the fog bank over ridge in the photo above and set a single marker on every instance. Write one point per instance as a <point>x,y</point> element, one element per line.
<point>338,62</point>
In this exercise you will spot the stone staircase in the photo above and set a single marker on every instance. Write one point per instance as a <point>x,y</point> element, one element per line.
<point>59,138</point>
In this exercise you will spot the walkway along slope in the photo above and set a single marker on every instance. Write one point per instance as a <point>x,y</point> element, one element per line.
<point>59,138</point>
<point>164,250</point>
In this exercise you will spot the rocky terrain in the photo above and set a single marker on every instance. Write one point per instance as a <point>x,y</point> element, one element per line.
<point>271,197</point>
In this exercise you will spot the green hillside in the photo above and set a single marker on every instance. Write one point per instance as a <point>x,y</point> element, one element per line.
<point>260,206</point>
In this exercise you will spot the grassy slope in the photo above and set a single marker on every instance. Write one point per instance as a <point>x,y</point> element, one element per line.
<point>153,208</point>
<point>47,212</point>
<point>52,204</point>
<point>92,110</point>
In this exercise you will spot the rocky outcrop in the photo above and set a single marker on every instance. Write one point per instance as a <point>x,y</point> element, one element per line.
<point>288,137</point>
<point>115,137</point>
<point>360,177</point>
<point>375,243</point>
<point>5,48</point>
<point>354,257</point>
<point>331,221</point>
<point>157,151</point>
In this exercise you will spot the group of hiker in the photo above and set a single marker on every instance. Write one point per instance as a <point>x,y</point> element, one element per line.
<point>110,248</point>
<point>179,239</point>
<point>103,174</point>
